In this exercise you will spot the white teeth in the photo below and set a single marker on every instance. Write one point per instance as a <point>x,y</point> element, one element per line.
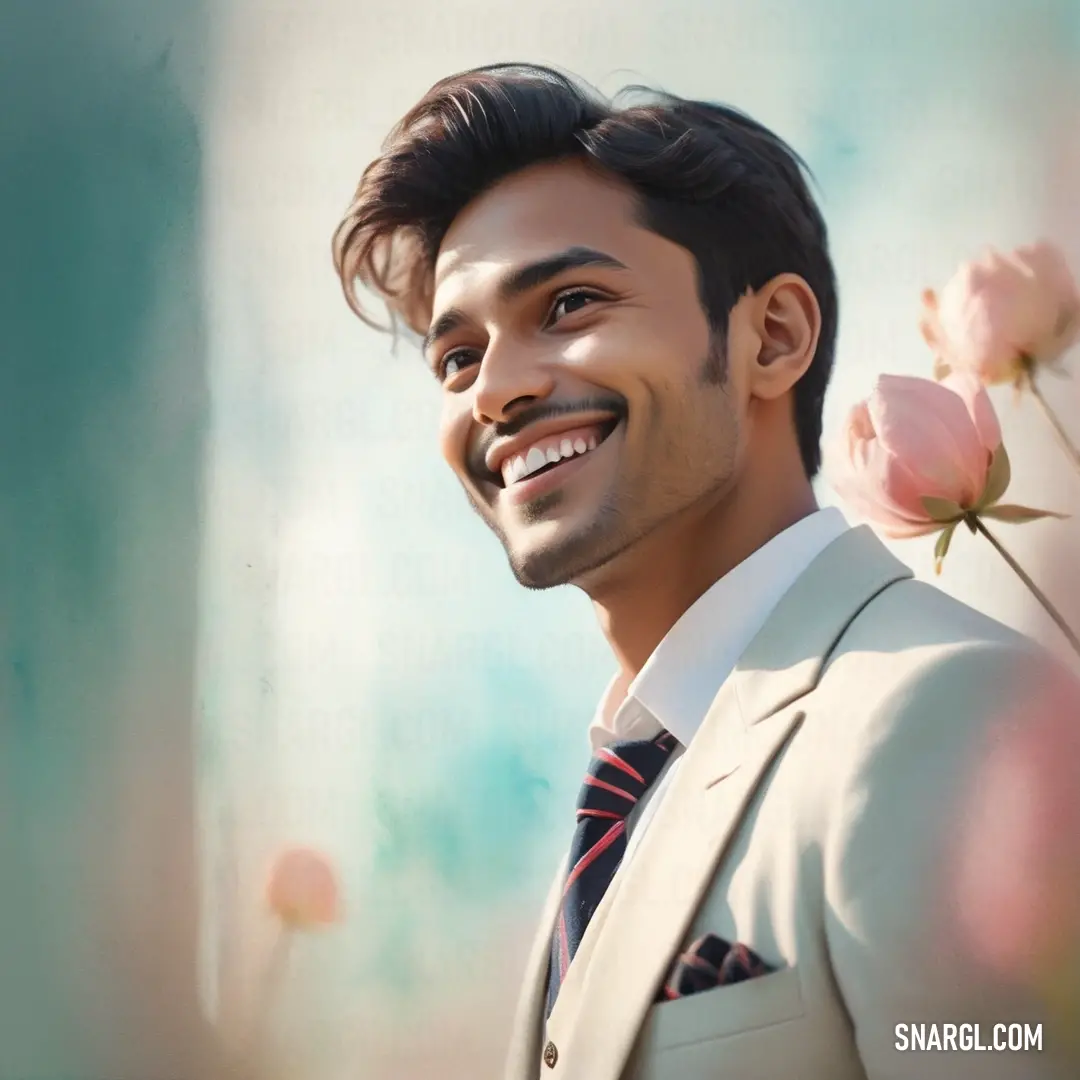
<point>535,459</point>
<point>517,468</point>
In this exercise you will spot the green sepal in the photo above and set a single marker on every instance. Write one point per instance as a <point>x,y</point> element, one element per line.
<point>1017,515</point>
<point>941,548</point>
<point>941,369</point>
<point>943,510</point>
<point>997,479</point>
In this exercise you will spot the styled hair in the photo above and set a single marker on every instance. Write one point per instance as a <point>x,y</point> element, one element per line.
<point>708,178</point>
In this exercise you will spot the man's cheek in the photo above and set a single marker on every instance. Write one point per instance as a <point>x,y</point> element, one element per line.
<point>454,442</point>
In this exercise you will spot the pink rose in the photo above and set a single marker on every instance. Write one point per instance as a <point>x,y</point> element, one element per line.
<point>1015,871</point>
<point>997,315</point>
<point>303,889</point>
<point>914,439</point>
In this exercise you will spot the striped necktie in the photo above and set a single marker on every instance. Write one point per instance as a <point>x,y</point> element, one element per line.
<point>619,775</point>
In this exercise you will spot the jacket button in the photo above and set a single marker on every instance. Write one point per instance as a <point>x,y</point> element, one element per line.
<point>551,1055</point>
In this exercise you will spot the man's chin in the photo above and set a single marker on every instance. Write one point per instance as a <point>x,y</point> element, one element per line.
<point>561,559</point>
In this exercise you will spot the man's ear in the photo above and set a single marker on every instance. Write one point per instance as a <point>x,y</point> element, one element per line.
<point>786,319</point>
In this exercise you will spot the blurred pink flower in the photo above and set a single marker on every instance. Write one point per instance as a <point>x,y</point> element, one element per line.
<point>999,315</point>
<point>917,453</point>
<point>1016,872</point>
<point>303,889</point>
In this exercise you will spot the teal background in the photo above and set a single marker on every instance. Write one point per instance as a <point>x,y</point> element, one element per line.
<point>103,413</point>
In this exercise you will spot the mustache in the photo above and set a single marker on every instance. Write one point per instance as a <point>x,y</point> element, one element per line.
<point>533,414</point>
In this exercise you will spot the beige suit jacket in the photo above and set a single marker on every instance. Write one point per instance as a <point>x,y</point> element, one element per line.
<point>816,817</point>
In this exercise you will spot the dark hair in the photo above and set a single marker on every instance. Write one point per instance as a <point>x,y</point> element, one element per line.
<point>709,178</point>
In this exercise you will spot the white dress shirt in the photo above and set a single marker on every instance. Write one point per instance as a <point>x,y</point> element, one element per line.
<point>682,676</point>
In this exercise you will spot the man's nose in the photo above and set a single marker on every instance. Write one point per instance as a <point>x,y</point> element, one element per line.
<point>510,376</point>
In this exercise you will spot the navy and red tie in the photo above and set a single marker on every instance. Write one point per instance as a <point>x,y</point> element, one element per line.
<point>619,775</point>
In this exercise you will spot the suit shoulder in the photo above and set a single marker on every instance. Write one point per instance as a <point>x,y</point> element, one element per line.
<point>911,613</point>
<point>917,666</point>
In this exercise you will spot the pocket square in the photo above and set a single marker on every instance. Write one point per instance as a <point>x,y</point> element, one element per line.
<point>710,962</point>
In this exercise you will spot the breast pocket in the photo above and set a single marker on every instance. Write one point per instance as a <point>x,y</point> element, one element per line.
<point>726,1023</point>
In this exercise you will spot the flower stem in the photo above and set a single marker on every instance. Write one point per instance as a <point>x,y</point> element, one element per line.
<point>1039,595</point>
<point>273,976</point>
<point>1062,436</point>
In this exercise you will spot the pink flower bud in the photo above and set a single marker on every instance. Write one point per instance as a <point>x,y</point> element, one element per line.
<point>914,439</point>
<point>1003,310</point>
<point>303,889</point>
<point>1016,868</point>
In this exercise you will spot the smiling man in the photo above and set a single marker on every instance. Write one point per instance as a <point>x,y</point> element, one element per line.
<point>631,314</point>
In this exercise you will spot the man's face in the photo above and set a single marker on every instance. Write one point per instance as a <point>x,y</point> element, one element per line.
<point>583,408</point>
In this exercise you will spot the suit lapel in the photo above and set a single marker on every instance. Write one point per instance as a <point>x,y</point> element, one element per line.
<point>528,1021</point>
<point>649,910</point>
<point>662,888</point>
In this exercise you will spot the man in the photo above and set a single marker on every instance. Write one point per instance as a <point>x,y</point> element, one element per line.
<point>631,315</point>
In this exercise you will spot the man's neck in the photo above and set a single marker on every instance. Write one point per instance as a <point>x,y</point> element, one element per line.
<point>664,573</point>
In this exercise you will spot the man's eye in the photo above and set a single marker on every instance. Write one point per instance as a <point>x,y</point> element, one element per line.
<point>454,361</point>
<point>569,302</point>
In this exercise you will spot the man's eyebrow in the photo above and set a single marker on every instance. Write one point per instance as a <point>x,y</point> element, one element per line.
<point>445,324</point>
<point>536,273</point>
<point>521,280</point>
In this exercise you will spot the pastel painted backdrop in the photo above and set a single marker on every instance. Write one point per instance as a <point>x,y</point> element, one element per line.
<point>242,604</point>
<point>104,409</point>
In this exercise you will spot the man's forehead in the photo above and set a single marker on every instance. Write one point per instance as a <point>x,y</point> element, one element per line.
<point>531,215</point>
<point>463,263</point>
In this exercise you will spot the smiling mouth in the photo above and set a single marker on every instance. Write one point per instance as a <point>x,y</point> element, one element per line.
<point>548,454</point>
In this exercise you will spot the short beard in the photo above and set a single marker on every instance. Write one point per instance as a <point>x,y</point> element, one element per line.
<point>577,556</point>
<point>573,558</point>
<point>714,368</point>
<point>581,555</point>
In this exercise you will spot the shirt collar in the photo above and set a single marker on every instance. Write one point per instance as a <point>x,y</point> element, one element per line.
<point>682,676</point>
